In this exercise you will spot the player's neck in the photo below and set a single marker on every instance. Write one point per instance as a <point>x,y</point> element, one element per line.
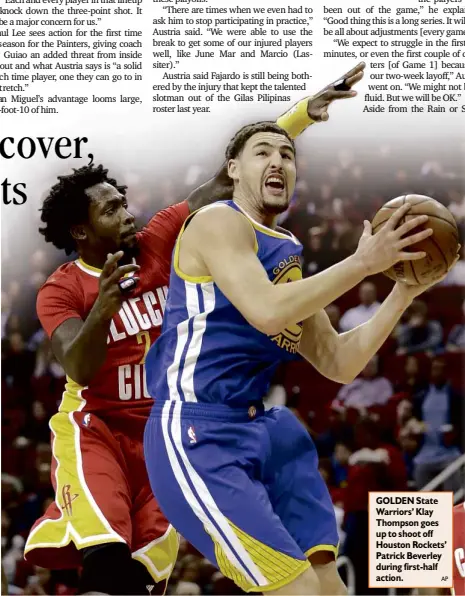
<point>92,259</point>
<point>268,220</point>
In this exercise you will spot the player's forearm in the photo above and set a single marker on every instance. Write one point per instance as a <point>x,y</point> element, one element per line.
<point>294,302</point>
<point>85,354</point>
<point>218,188</point>
<point>355,348</point>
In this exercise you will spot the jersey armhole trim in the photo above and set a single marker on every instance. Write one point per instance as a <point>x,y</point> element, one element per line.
<point>203,278</point>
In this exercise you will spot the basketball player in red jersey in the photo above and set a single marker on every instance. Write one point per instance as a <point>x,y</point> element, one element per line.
<point>102,312</point>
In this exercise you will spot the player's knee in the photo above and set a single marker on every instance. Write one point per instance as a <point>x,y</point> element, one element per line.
<point>324,565</point>
<point>106,569</point>
<point>306,583</point>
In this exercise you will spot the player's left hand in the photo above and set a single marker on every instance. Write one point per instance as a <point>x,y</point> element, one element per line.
<point>341,89</point>
<point>411,292</point>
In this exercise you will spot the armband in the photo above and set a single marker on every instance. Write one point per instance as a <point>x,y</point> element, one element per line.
<point>296,120</point>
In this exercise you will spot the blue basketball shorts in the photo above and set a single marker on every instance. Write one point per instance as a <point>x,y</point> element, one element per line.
<point>243,487</point>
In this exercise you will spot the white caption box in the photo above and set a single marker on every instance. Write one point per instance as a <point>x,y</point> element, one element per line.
<point>410,539</point>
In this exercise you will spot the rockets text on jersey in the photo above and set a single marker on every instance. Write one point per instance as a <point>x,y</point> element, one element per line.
<point>136,317</point>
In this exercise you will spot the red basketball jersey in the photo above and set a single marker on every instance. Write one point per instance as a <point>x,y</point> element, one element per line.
<point>118,392</point>
<point>459,550</point>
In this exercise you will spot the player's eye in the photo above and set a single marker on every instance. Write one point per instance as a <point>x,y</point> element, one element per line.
<point>287,156</point>
<point>261,153</point>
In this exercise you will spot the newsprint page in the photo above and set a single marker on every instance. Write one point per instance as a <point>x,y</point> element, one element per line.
<point>232,297</point>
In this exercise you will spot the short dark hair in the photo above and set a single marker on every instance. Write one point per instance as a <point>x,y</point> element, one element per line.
<point>67,204</point>
<point>237,143</point>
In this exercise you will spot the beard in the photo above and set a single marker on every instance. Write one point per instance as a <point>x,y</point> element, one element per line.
<point>274,206</point>
<point>131,251</point>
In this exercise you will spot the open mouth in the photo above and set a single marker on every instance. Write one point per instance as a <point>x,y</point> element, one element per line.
<point>275,184</point>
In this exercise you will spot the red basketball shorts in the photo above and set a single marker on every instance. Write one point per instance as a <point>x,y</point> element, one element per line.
<point>102,495</point>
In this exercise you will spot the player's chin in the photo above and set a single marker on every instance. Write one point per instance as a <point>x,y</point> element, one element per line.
<point>276,202</point>
<point>130,245</point>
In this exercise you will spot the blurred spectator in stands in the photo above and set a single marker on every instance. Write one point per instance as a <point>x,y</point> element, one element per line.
<point>418,334</point>
<point>39,261</point>
<point>6,524</point>
<point>413,379</point>
<point>341,235</point>
<point>374,466</point>
<point>409,432</point>
<point>11,558</point>
<point>457,204</point>
<point>6,312</point>
<point>365,310</point>
<point>334,313</point>
<point>367,390</point>
<point>456,276</point>
<point>456,339</point>
<point>339,463</point>
<point>18,363</point>
<point>36,427</point>
<point>316,257</point>
<point>439,408</point>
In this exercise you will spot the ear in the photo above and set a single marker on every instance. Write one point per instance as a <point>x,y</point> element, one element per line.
<point>233,170</point>
<point>78,232</point>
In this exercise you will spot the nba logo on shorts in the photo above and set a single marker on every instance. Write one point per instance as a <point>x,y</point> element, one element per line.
<point>191,433</point>
<point>86,420</point>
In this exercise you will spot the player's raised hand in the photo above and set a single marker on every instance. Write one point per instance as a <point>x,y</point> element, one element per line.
<point>341,89</point>
<point>412,292</point>
<point>110,294</point>
<point>380,251</point>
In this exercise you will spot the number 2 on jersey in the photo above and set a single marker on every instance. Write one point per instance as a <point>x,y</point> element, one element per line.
<point>143,336</point>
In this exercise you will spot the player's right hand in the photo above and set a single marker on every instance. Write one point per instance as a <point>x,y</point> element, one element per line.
<point>378,252</point>
<point>110,296</point>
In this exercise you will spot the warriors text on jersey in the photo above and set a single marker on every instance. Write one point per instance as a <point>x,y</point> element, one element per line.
<point>119,388</point>
<point>208,352</point>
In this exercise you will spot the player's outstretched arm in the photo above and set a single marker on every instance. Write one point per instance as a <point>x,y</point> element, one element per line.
<point>297,119</point>
<point>219,242</point>
<point>81,346</point>
<point>342,357</point>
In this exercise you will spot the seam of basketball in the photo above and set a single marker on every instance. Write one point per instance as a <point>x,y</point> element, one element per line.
<point>414,272</point>
<point>435,216</point>
<point>447,222</point>
<point>440,250</point>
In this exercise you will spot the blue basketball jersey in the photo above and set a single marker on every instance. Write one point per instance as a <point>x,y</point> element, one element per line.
<point>207,352</point>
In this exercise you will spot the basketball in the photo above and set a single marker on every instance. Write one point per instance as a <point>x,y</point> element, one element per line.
<point>441,247</point>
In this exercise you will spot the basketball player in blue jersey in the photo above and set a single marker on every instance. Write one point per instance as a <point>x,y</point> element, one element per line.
<point>241,484</point>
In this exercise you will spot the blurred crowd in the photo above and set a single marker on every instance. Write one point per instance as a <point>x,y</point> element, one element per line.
<point>396,426</point>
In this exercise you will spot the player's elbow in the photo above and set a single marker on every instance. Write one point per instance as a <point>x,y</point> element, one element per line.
<point>79,370</point>
<point>343,372</point>
<point>266,322</point>
<point>79,376</point>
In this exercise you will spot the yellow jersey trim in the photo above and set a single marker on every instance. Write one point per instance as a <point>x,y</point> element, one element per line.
<point>204,278</point>
<point>284,582</point>
<point>320,547</point>
<point>159,556</point>
<point>82,265</point>
<point>268,231</point>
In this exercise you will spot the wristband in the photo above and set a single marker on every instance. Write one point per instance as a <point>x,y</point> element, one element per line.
<point>296,120</point>
<point>127,284</point>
